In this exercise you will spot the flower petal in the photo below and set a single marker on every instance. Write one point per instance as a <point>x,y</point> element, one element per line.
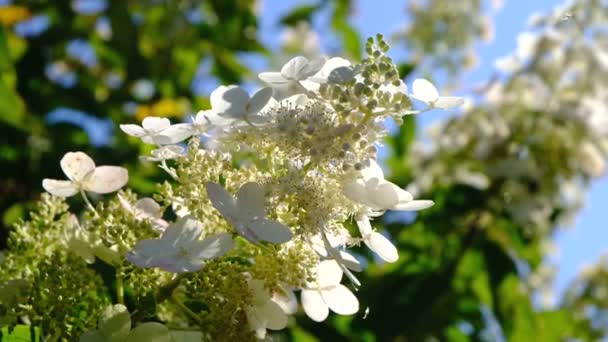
<point>149,332</point>
<point>274,316</point>
<point>147,207</point>
<point>59,188</point>
<point>250,202</point>
<point>222,200</point>
<point>177,133</point>
<point>382,246</point>
<point>340,300</point>
<point>449,102</point>
<point>211,247</point>
<point>106,179</point>
<point>273,78</point>
<point>270,230</point>
<point>329,273</point>
<point>311,68</point>
<point>146,252</point>
<point>414,205</point>
<point>292,69</point>
<point>155,124</point>
<point>350,261</point>
<point>287,301</point>
<point>230,100</point>
<point>355,191</point>
<point>133,130</point>
<point>314,305</point>
<point>365,227</point>
<point>259,100</point>
<point>424,91</point>
<point>183,231</point>
<point>77,165</point>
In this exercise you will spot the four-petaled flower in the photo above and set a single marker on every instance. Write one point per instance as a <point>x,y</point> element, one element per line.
<point>83,176</point>
<point>264,313</point>
<point>426,92</point>
<point>145,209</point>
<point>153,130</point>
<point>297,69</point>
<point>327,293</point>
<point>247,213</point>
<point>179,249</point>
<point>233,103</point>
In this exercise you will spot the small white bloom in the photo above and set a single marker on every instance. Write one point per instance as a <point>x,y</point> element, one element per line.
<point>150,130</point>
<point>327,293</point>
<point>179,249</point>
<point>297,69</point>
<point>264,312</point>
<point>376,241</point>
<point>145,209</point>
<point>162,153</point>
<point>426,92</point>
<point>335,70</point>
<point>286,300</point>
<point>83,175</point>
<point>247,213</point>
<point>233,103</point>
<point>373,191</point>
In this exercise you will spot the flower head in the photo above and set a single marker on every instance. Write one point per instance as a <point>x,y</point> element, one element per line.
<point>327,293</point>
<point>297,69</point>
<point>247,213</point>
<point>426,92</point>
<point>83,175</point>
<point>179,249</point>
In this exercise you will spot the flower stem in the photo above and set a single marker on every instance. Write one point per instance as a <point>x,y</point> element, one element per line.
<point>186,310</point>
<point>88,203</point>
<point>120,289</point>
<point>166,291</point>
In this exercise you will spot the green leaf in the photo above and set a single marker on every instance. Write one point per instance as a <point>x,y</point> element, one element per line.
<point>21,333</point>
<point>302,13</point>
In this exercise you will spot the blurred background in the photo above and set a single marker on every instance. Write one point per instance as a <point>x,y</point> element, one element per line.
<point>512,249</point>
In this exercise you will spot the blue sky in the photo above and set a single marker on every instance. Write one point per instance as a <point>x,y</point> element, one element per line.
<point>580,244</point>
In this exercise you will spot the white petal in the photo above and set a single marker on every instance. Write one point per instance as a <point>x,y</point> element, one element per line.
<point>382,246</point>
<point>340,300</point>
<point>414,205</point>
<point>365,227</point>
<point>177,133</point>
<point>449,102</point>
<point>373,170</point>
<point>259,100</point>
<point>270,230</point>
<point>355,191</point>
<point>59,188</point>
<point>221,200</point>
<point>273,78</point>
<point>274,316</point>
<point>424,91</point>
<point>384,195</point>
<point>155,124</point>
<point>184,231</point>
<point>288,301</point>
<point>350,261</point>
<point>106,179</point>
<point>403,195</point>
<point>213,118</point>
<point>250,202</point>
<point>314,305</point>
<point>134,130</point>
<point>146,253</point>
<point>311,68</point>
<point>230,100</point>
<point>335,70</point>
<point>149,332</point>
<point>329,273</point>
<point>147,207</point>
<point>292,69</point>
<point>77,165</point>
<point>212,247</point>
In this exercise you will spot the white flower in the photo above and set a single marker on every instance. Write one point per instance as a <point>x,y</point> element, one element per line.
<point>264,312</point>
<point>376,241</point>
<point>335,70</point>
<point>179,249</point>
<point>145,209</point>
<point>163,153</point>
<point>247,213</point>
<point>331,248</point>
<point>286,300</point>
<point>327,293</point>
<point>297,69</point>
<point>233,103</point>
<point>426,92</point>
<point>373,191</point>
<point>152,130</point>
<point>84,176</point>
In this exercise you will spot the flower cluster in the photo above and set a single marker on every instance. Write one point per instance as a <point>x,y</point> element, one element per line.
<point>263,209</point>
